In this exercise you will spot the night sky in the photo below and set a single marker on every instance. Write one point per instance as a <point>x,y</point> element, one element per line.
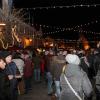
<point>87,18</point>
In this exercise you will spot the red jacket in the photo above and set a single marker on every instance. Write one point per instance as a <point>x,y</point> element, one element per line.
<point>28,68</point>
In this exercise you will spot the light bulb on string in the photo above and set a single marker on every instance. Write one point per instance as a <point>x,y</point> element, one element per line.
<point>81,5</point>
<point>94,5</point>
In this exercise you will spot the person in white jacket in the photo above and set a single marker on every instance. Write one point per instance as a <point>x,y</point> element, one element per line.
<point>19,62</point>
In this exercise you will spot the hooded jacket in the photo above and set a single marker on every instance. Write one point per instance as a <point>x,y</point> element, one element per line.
<point>78,80</point>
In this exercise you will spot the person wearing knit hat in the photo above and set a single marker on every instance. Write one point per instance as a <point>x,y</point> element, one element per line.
<point>4,54</point>
<point>76,77</point>
<point>11,71</point>
<point>4,81</point>
<point>72,59</point>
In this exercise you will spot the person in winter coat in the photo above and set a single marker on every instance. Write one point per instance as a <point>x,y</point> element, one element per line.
<point>84,64</point>
<point>97,73</point>
<point>19,62</point>
<point>77,78</point>
<point>28,72</point>
<point>37,64</point>
<point>20,65</point>
<point>57,64</point>
<point>11,71</point>
<point>4,81</point>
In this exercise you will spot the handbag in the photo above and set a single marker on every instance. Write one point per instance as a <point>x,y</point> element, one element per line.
<point>53,97</point>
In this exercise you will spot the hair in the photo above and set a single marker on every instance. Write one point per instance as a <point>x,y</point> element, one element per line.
<point>1,58</point>
<point>16,55</point>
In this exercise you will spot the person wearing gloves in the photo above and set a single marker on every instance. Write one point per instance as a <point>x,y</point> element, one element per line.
<point>74,81</point>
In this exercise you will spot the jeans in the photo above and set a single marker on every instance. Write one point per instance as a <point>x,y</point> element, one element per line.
<point>58,89</point>
<point>37,74</point>
<point>49,84</point>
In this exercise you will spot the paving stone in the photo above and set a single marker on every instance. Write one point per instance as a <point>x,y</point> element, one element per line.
<point>38,92</point>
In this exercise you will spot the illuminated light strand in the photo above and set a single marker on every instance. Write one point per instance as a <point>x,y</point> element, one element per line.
<point>66,40</point>
<point>93,22</point>
<point>81,31</point>
<point>12,38</point>
<point>14,35</point>
<point>72,6</point>
<point>74,28</point>
<point>72,41</point>
<point>1,40</point>
<point>77,26</point>
<point>4,47</point>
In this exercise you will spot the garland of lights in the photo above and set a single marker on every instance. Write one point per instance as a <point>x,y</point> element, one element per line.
<point>14,35</point>
<point>3,45</point>
<point>72,29</point>
<point>78,26</point>
<point>68,41</point>
<point>72,6</point>
<point>69,29</point>
<point>1,40</point>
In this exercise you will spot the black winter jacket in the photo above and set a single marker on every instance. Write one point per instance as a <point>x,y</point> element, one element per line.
<point>4,86</point>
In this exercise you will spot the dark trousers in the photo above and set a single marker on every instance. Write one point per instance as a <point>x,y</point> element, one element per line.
<point>27,84</point>
<point>13,89</point>
<point>97,95</point>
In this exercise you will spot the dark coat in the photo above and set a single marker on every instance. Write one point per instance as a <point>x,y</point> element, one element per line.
<point>57,64</point>
<point>48,60</point>
<point>83,65</point>
<point>96,63</point>
<point>97,71</point>
<point>91,69</point>
<point>11,69</point>
<point>4,86</point>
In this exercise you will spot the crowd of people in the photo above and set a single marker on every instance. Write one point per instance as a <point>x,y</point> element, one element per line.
<point>74,73</point>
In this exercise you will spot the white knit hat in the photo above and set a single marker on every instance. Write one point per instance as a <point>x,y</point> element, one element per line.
<point>72,59</point>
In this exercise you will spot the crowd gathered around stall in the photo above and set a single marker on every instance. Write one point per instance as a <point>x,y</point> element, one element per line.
<point>75,73</point>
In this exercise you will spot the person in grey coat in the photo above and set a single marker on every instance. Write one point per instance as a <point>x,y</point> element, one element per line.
<point>77,78</point>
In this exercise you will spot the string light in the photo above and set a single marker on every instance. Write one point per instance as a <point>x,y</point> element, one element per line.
<point>70,41</point>
<point>3,45</point>
<point>78,26</point>
<point>72,6</point>
<point>59,29</point>
<point>72,29</point>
